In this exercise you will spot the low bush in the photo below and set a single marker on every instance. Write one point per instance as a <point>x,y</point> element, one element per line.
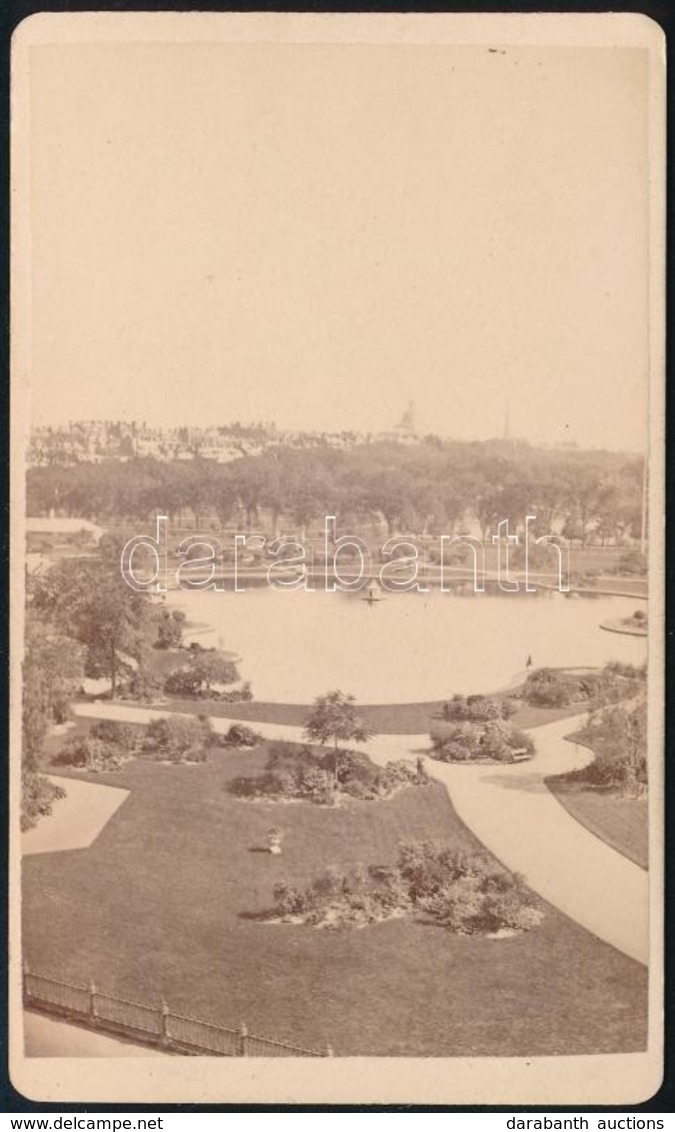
<point>455,742</point>
<point>547,687</point>
<point>38,795</point>
<point>120,735</point>
<point>179,738</point>
<point>464,742</point>
<point>239,735</point>
<point>618,737</point>
<point>295,771</point>
<point>292,771</point>
<point>477,708</point>
<point>86,752</point>
<point>142,686</point>
<point>466,893</point>
<point>521,743</point>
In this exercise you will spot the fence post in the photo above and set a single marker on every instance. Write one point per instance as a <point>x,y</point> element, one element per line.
<point>166,1037</point>
<point>328,1052</point>
<point>92,1004</point>
<point>241,1040</point>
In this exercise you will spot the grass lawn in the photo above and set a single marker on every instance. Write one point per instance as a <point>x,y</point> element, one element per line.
<point>416,718</point>
<point>531,715</point>
<point>383,719</point>
<point>622,822</point>
<point>164,904</point>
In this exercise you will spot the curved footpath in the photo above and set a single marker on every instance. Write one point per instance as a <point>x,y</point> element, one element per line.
<point>511,810</point>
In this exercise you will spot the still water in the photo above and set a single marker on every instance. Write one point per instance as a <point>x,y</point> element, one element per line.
<point>295,645</point>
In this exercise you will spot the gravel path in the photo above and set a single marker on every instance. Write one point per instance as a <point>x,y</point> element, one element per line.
<point>76,820</point>
<point>48,1037</point>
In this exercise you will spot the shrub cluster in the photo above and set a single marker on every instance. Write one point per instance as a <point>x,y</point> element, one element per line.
<point>239,735</point>
<point>121,735</point>
<point>618,737</point>
<point>466,893</point>
<point>207,676</point>
<point>466,742</point>
<point>142,686</point>
<point>292,771</point>
<point>296,771</point>
<point>179,739</point>
<point>38,795</point>
<point>105,747</point>
<point>477,708</point>
<point>549,687</point>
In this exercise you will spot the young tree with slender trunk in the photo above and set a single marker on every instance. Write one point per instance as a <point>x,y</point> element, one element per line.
<point>334,719</point>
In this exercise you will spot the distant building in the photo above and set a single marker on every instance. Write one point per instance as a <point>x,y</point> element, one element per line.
<point>405,432</point>
<point>407,426</point>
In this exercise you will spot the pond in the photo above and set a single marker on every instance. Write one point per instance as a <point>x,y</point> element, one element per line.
<point>296,645</point>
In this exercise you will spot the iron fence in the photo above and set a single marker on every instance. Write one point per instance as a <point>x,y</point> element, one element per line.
<point>157,1025</point>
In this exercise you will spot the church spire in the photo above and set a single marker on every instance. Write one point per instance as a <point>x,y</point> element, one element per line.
<point>407,425</point>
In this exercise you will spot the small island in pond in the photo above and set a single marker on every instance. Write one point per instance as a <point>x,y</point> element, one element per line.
<point>633,626</point>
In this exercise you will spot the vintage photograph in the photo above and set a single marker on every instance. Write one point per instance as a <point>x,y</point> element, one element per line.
<point>337,467</point>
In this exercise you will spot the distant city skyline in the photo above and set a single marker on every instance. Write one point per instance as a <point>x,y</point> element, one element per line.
<point>227,232</point>
<point>393,433</point>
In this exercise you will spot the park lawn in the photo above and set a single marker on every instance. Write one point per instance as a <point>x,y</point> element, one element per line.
<point>166,903</point>
<point>532,715</point>
<point>619,821</point>
<point>385,719</point>
<point>382,719</point>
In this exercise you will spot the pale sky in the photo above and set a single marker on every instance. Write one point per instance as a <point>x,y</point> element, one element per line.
<point>318,234</point>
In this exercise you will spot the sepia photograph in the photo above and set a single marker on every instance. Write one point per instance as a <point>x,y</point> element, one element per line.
<point>337,473</point>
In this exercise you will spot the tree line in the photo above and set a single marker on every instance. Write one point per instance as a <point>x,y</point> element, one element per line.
<point>422,489</point>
